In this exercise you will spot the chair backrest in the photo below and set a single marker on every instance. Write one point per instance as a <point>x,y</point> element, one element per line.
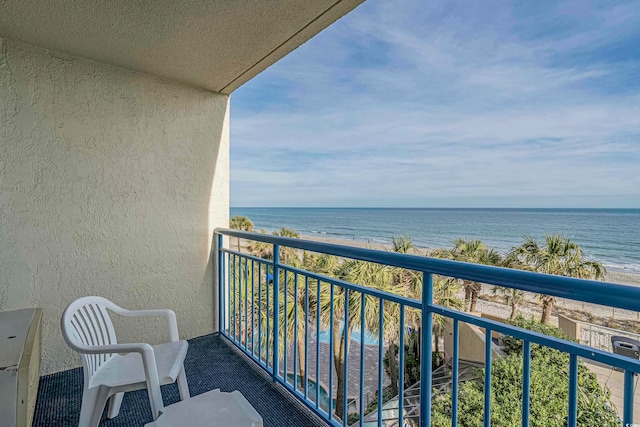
<point>86,323</point>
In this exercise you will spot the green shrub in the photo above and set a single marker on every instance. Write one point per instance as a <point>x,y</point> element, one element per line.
<point>511,345</point>
<point>549,390</point>
<point>353,418</point>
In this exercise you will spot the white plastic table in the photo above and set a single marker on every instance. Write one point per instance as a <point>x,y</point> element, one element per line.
<point>210,409</point>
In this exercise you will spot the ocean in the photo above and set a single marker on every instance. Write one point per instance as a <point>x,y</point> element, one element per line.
<point>611,236</point>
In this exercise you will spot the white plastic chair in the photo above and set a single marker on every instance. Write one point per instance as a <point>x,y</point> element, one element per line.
<point>111,369</point>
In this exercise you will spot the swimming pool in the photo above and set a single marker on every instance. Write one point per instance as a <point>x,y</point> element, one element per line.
<point>369,338</point>
<point>311,393</point>
<point>311,390</point>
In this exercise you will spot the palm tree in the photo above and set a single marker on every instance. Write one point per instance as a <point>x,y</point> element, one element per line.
<point>295,297</point>
<point>405,282</point>
<point>557,255</point>
<point>513,297</point>
<point>288,255</point>
<point>365,274</point>
<point>240,222</point>
<point>403,244</point>
<point>445,294</point>
<point>295,300</point>
<point>409,283</point>
<point>320,263</point>
<point>295,303</point>
<point>473,251</point>
<point>261,249</point>
<point>287,232</point>
<point>239,296</point>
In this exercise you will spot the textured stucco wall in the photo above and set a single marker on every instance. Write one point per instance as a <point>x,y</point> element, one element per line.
<point>111,183</point>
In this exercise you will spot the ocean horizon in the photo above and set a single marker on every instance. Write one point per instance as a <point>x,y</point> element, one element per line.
<point>610,236</point>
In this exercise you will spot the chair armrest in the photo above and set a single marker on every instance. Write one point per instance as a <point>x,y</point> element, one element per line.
<point>115,348</point>
<point>172,324</point>
<point>143,349</point>
<point>148,364</point>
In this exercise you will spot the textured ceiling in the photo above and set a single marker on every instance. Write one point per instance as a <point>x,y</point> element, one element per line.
<point>213,44</point>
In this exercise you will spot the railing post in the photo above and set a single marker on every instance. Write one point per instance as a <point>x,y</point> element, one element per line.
<point>345,383</point>
<point>220,283</point>
<point>526,380</point>
<point>426,350</point>
<point>400,369</point>
<point>573,391</point>
<point>487,376</point>
<point>627,411</point>
<point>454,373</point>
<point>276,311</point>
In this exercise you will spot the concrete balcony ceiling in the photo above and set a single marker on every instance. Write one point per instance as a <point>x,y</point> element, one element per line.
<point>212,44</point>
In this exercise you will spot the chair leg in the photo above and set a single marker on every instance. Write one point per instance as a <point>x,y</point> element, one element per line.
<point>183,386</point>
<point>114,405</point>
<point>155,400</point>
<point>93,402</point>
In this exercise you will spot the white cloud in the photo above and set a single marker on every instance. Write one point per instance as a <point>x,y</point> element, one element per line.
<point>439,103</point>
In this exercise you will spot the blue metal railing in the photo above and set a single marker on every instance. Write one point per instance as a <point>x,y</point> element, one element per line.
<point>275,293</point>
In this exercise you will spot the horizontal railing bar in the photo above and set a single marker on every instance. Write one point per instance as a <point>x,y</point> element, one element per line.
<point>608,294</point>
<point>247,256</point>
<point>343,284</point>
<point>353,287</point>
<point>580,350</point>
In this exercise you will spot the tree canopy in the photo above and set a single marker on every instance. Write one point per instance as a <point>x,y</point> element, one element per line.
<point>549,390</point>
<point>240,222</point>
<point>556,255</point>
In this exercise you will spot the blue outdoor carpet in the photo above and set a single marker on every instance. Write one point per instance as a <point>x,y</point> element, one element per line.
<point>211,363</point>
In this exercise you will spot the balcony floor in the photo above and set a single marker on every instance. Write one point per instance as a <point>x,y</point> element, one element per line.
<point>211,363</point>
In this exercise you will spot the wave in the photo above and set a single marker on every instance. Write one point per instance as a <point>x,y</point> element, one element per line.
<point>607,236</point>
<point>626,268</point>
<point>379,240</point>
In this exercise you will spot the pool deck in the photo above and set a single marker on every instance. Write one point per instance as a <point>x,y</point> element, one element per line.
<point>370,367</point>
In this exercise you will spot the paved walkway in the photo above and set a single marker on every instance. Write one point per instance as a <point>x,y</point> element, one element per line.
<point>614,381</point>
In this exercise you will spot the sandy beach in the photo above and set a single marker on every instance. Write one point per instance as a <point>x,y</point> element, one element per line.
<point>490,304</point>
<point>623,278</point>
<point>618,277</point>
<point>602,315</point>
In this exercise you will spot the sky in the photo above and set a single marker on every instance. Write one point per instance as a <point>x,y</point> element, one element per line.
<point>447,103</point>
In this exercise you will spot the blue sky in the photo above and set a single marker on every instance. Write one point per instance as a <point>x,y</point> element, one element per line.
<point>448,103</point>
